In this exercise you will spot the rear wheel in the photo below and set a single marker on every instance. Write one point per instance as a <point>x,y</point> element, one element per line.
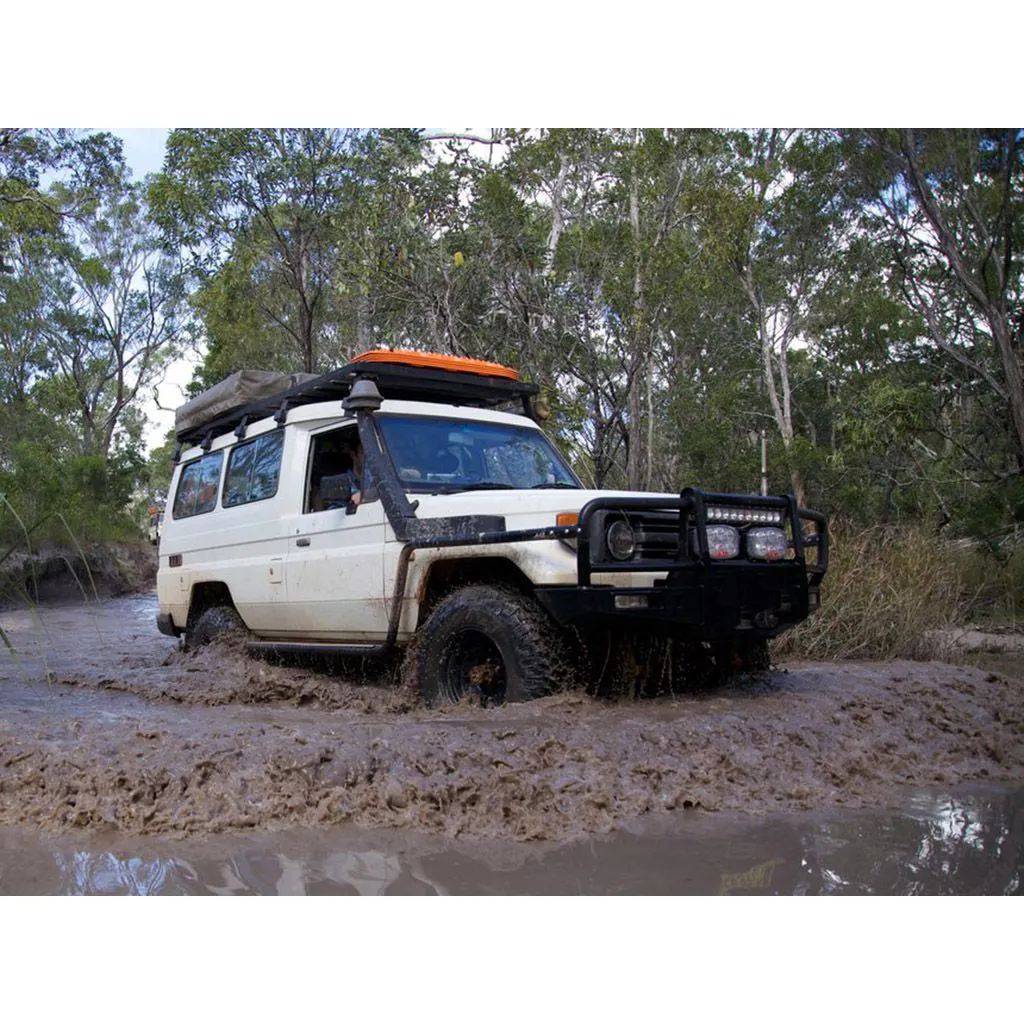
<point>491,643</point>
<point>217,623</point>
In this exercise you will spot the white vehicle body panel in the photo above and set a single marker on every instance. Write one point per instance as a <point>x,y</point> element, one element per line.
<point>329,576</point>
<point>335,579</point>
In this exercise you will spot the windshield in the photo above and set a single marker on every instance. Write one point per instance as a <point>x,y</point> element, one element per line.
<point>448,455</point>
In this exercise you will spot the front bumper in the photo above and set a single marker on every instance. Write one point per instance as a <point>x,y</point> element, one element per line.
<point>712,603</point>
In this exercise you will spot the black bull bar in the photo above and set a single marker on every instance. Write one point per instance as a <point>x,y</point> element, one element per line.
<point>698,597</point>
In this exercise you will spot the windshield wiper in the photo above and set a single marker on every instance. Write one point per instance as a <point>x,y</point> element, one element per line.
<point>483,485</point>
<point>560,485</point>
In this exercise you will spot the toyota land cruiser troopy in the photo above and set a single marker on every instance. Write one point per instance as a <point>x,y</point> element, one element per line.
<point>473,545</point>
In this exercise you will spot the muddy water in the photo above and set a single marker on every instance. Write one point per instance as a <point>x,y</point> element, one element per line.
<point>967,842</point>
<point>128,765</point>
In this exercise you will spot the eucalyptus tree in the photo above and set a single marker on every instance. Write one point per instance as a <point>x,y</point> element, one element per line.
<point>27,155</point>
<point>62,240</point>
<point>777,226</point>
<point>25,210</point>
<point>23,351</point>
<point>112,306</point>
<point>620,237</point>
<point>87,319</point>
<point>22,347</point>
<point>30,222</point>
<point>282,223</point>
<point>433,264</point>
<point>949,205</point>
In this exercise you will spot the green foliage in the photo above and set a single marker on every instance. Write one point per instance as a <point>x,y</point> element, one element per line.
<point>158,469</point>
<point>855,296</point>
<point>947,206</point>
<point>92,496</point>
<point>985,512</point>
<point>88,320</point>
<point>993,575</point>
<point>285,224</point>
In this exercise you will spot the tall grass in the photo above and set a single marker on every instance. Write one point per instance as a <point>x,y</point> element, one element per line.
<point>6,506</point>
<point>890,592</point>
<point>995,576</point>
<point>85,563</point>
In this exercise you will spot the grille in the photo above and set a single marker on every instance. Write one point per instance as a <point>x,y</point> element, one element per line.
<point>656,536</point>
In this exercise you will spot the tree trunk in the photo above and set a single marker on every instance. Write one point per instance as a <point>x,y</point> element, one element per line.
<point>636,360</point>
<point>991,307</point>
<point>782,407</point>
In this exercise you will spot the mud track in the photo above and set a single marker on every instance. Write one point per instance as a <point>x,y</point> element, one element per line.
<point>104,724</point>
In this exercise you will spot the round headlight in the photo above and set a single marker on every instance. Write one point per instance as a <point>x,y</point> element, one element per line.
<point>621,540</point>
<point>723,541</point>
<point>767,543</point>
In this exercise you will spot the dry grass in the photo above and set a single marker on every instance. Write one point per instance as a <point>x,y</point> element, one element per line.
<point>995,579</point>
<point>889,593</point>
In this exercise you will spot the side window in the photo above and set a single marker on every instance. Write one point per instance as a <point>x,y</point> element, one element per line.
<point>254,469</point>
<point>331,454</point>
<point>197,486</point>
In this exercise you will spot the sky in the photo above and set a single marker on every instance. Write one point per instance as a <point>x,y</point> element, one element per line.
<point>143,148</point>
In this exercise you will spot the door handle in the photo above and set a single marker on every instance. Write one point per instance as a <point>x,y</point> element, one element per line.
<point>302,542</point>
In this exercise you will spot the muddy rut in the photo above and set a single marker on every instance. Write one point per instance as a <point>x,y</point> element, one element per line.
<point>104,724</point>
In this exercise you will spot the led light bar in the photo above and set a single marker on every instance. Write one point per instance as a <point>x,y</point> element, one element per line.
<point>737,514</point>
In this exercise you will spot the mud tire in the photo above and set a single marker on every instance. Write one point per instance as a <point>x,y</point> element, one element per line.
<point>219,623</point>
<point>491,643</point>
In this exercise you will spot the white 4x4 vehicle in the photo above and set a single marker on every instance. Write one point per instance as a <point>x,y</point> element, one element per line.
<point>466,539</point>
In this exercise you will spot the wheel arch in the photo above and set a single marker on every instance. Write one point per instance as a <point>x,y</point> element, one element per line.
<point>208,594</point>
<point>445,575</point>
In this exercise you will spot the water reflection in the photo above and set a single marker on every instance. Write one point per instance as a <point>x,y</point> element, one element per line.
<point>948,846</point>
<point>968,842</point>
<point>101,874</point>
<point>365,874</point>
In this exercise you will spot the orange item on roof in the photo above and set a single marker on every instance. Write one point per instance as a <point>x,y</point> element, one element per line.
<point>437,361</point>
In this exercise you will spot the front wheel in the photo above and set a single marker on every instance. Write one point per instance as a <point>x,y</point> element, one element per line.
<point>489,642</point>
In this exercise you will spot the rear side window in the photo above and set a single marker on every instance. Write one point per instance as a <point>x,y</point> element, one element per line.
<point>254,469</point>
<point>197,486</point>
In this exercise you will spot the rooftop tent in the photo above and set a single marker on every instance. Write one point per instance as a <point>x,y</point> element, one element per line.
<point>414,376</point>
<point>240,389</point>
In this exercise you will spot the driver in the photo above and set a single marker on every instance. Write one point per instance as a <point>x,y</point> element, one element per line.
<point>352,455</point>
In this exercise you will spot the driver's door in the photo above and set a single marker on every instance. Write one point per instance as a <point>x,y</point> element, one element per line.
<point>334,575</point>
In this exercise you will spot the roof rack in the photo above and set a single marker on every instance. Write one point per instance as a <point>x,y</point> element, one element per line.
<point>395,380</point>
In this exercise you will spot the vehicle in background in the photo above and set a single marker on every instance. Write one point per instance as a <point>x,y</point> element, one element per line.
<point>156,522</point>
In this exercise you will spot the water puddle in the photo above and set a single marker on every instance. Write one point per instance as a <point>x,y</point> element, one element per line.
<point>943,843</point>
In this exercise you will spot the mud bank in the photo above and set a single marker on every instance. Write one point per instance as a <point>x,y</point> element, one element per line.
<point>72,574</point>
<point>106,725</point>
